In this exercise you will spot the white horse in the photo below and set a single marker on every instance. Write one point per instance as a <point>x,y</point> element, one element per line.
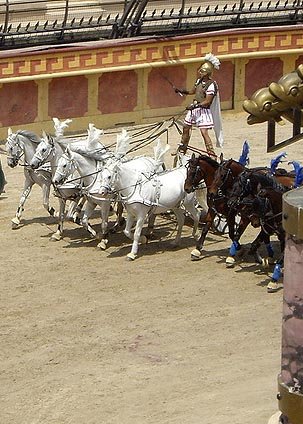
<point>22,145</point>
<point>90,169</point>
<point>144,195</point>
<point>50,150</point>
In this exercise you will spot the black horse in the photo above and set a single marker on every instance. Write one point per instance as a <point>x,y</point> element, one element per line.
<point>265,210</point>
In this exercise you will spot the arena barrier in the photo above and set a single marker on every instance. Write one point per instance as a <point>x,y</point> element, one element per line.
<point>130,81</point>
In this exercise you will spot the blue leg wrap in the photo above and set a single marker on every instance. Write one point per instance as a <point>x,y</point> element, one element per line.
<point>270,250</point>
<point>233,248</point>
<point>277,273</point>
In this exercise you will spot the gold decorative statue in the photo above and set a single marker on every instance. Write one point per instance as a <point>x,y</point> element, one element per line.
<point>277,101</point>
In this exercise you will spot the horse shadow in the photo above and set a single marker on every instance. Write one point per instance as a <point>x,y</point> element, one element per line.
<point>42,220</point>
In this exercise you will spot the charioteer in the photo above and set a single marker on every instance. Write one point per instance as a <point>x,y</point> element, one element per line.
<point>204,112</point>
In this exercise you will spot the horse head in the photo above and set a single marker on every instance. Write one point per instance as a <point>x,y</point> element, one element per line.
<point>199,169</point>
<point>44,151</point>
<point>107,177</point>
<point>65,167</point>
<point>241,188</point>
<point>225,176</point>
<point>19,144</point>
<point>193,175</point>
<point>14,148</point>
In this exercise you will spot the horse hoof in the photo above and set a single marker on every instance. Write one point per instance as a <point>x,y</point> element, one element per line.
<point>52,212</point>
<point>15,223</point>
<point>103,244</point>
<point>131,257</point>
<point>272,287</point>
<point>55,237</point>
<point>230,262</point>
<point>264,262</point>
<point>174,244</point>
<point>143,239</point>
<point>195,255</point>
<point>77,220</point>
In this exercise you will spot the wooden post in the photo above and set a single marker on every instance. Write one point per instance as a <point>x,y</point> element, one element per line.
<point>271,134</point>
<point>297,122</point>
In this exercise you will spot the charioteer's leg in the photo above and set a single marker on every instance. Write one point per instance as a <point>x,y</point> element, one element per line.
<point>184,139</point>
<point>208,143</point>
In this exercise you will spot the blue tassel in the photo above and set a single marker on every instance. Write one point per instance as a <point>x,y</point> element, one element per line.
<point>277,273</point>
<point>244,159</point>
<point>275,162</point>
<point>233,248</point>
<point>299,173</point>
<point>270,250</point>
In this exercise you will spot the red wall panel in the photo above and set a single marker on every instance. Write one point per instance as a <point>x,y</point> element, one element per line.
<point>261,72</point>
<point>18,103</point>
<point>68,97</point>
<point>160,92</point>
<point>118,92</point>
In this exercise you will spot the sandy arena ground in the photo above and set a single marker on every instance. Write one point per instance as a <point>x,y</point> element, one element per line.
<point>90,338</point>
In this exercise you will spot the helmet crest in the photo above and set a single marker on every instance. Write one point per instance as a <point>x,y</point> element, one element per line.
<point>210,62</point>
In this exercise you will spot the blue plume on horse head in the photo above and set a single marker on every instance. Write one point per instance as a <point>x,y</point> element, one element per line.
<point>275,162</point>
<point>299,173</point>
<point>244,159</point>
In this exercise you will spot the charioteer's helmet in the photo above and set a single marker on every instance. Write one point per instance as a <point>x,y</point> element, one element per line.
<point>210,62</point>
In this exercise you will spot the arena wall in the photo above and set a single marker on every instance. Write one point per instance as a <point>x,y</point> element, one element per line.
<point>129,81</point>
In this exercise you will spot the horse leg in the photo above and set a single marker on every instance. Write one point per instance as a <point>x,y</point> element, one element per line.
<point>75,209</point>
<point>150,225</point>
<point>190,206</point>
<point>59,233</point>
<point>90,207</point>
<point>273,285</point>
<point>256,243</point>
<point>26,192</point>
<point>197,252</point>
<point>136,237</point>
<point>235,247</point>
<point>180,222</point>
<point>262,237</point>
<point>130,219</point>
<point>46,192</point>
<point>105,209</point>
<point>120,220</point>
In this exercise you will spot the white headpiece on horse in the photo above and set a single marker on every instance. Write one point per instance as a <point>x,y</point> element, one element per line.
<point>122,145</point>
<point>60,126</point>
<point>94,136</point>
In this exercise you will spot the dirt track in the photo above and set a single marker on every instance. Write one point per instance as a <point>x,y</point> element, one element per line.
<point>88,337</point>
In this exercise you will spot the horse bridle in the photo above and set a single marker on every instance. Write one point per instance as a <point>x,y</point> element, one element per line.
<point>41,159</point>
<point>197,169</point>
<point>266,212</point>
<point>224,178</point>
<point>14,143</point>
<point>68,170</point>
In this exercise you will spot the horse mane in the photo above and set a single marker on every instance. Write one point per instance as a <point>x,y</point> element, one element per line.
<point>209,160</point>
<point>266,180</point>
<point>31,136</point>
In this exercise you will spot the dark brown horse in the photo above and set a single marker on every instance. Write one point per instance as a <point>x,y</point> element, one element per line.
<point>203,168</point>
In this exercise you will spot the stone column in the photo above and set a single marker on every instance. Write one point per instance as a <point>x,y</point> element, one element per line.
<point>290,379</point>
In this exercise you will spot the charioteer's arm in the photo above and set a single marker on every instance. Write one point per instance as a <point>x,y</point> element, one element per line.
<point>205,103</point>
<point>185,92</point>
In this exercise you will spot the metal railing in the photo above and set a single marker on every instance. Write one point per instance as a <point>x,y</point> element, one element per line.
<point>32,23</point>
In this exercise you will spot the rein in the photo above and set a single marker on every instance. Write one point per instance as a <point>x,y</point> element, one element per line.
<point>200,151</point>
